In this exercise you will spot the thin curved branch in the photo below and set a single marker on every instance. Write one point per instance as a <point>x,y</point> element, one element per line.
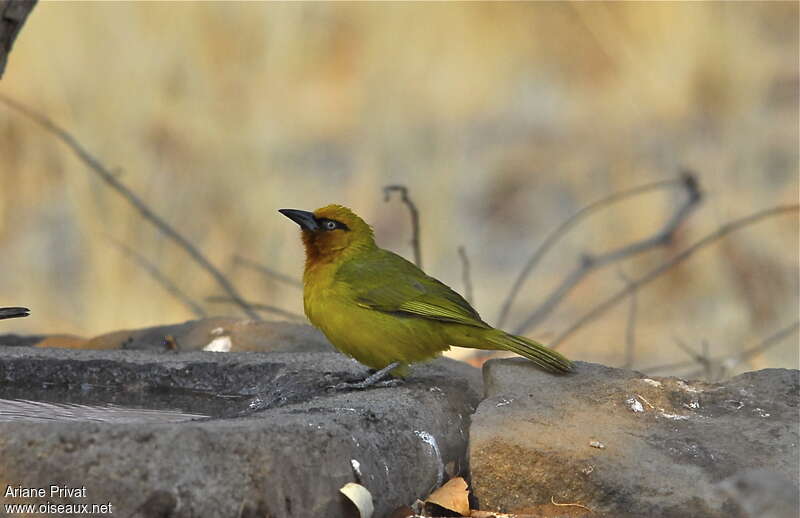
<point>573,220</point>
<point>147,213</point>
<point>701,358</point>
<point>160,278</point>
<point>260,307</point>
<point>630,328</point>
<point>653,274</point>
<point>465,273</point>
<point>773,339</point>
<point>725,363</point>
<point>266,271</point>
<point>413,212</point>
<point>589,262</point>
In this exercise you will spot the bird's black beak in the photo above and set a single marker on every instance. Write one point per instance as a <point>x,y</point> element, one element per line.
<point>305,219</point>
<point>14,312</point>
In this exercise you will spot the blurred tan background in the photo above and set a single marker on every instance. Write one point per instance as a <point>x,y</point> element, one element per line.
<point>502,120</point>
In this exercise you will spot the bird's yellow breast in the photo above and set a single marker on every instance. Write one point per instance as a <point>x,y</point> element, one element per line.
<point>374,338</point>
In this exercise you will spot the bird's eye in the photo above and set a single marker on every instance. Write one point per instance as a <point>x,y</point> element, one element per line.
<point>330,225</point>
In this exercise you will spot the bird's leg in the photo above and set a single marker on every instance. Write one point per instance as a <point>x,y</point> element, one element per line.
<point>377,379</point>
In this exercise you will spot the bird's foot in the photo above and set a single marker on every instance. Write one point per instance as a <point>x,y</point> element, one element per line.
<point>377,379</point>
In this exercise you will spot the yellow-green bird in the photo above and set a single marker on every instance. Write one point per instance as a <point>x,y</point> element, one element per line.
<point>381,309</point>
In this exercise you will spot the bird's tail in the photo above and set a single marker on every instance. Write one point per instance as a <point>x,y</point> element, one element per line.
<point>13,312</point>
<point>539,354</point>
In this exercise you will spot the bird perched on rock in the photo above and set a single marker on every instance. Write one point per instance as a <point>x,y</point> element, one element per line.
<point>381,309</point>
<point>14,312</point>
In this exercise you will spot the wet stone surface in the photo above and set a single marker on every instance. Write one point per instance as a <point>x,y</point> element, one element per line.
<point>624,444</point>
<point>125,425</point>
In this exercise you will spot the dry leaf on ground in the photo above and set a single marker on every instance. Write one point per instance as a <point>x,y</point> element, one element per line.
<point>453,496</point>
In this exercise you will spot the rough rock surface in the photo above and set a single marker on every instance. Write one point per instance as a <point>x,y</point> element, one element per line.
<point>219,334</point>
<point>20,340</point>
<point>624,445</point>
<point>287,459</point>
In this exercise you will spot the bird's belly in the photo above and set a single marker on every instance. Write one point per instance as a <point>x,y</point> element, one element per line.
<point>377,339</point>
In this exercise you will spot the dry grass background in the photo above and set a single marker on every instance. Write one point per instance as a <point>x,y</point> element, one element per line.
<point>502,119</point>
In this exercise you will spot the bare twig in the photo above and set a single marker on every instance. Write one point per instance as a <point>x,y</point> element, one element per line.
<point>269,272</point>
<point>160,278</point>
<point>414,213</point>
<point>668,367</point>
<point>147,213</point>
<point>705,355</point>
<point>465,273</point>
<point>685,348</point>
<point>725,363</point>
<point>259,307</point>
<point>553,501</point>
<point>645,401</point>
<point>630,328</point>
<point>701,358</point>
<point>770,341</point>
<point>573,220</point>
<point>653,274</point>
<point>589,263</point>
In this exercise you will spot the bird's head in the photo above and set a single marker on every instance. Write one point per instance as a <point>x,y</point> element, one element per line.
<point>330,232</point>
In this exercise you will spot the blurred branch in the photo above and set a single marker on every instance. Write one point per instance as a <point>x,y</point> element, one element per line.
<point>770,341</point>
<point>590,262</point>
<point>13,14</point>
<point>267,271</point>
<point>630,328</point>
<point>465,273</point>
<point>160,278</point>
<point>259,307</point>
<point>573,220</point>
<point>667,367</point>
<point>726,363</point>
<point>701,358</point>
<point>108,177</point>
<point>653,274</point>
<point>412,210</point>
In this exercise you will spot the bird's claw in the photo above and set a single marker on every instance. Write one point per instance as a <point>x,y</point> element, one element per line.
<point>376,379</point>
<point>389,383</point>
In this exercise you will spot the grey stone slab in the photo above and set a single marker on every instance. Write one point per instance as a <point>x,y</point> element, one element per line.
<point>624,444</point>
<point>288,459</point>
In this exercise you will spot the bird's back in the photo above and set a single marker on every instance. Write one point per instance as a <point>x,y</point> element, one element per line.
<point>385,281</point>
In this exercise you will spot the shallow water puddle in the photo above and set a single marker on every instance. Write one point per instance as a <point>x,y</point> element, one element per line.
<point>21,409</point>
<point>101,404</point>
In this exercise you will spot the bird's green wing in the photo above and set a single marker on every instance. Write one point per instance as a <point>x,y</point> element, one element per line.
<point>384,281</point>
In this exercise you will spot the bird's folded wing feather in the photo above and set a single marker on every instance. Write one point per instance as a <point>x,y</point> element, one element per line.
<point>387,282</point>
